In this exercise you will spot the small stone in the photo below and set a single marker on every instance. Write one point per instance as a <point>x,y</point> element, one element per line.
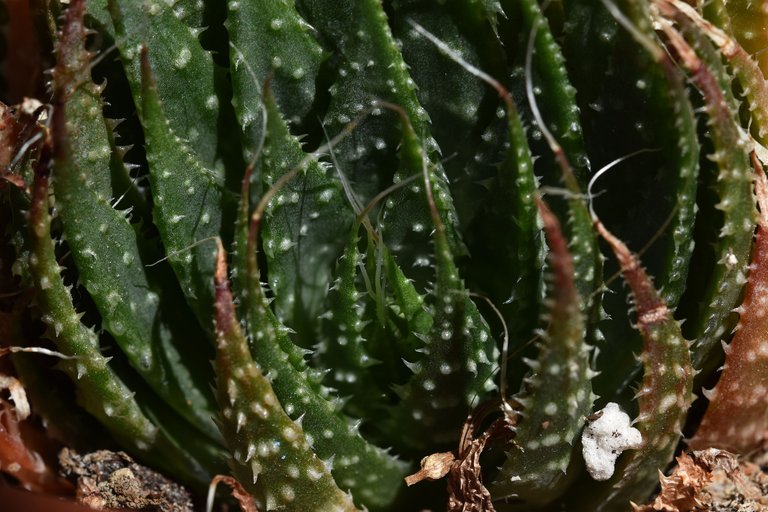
<point>112,480</point>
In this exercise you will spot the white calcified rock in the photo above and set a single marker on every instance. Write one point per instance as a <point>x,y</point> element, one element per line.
<point>605,438</point>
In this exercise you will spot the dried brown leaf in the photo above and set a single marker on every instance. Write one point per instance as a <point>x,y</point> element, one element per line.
<point>466,492</point>
<point>712,480</point>
<point>247,504</point>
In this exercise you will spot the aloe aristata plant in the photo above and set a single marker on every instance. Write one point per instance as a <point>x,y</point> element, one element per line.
<point>398,228</point>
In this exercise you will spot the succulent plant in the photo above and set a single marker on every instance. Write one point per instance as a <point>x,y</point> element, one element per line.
<point>399,229</point>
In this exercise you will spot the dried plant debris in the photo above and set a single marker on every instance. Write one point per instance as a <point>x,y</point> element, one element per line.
<point>433,467</point>
<point>112,480</point>
<point>466,490</point>
<point>712,480</point>
<point>245,500</point>
<point>23,448</point>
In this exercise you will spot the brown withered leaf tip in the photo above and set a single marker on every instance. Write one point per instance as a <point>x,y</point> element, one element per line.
<point>245,500</point>
<point>711,480</point>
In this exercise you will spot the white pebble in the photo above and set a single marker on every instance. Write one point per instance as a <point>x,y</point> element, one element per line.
<point>604,439</point>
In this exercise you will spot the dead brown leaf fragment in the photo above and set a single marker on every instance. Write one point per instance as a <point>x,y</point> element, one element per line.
<point>19,455</point>
<point>10,138</point>
<point>245,500</point>
<point>24,445</point>
<point>466,491</point>
<point>711,480</point>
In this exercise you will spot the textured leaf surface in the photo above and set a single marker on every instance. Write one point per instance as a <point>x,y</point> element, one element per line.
<point>557,395</point>
<point>505,268</point>
<point>461,110</point>
<point>344,349</point>
<point>746,68</point>
<point>100,391</point>
<point>372,475</point>
<point>105,248</point>
<point>734,189</point>
<point>538,71</point>
<point>187,198</point>
<point>183,70</point>
<point>459,354</point>
<point>271,43</point>
<point>272,456</point>
<point>307,224</point>
<point>550,80</point>
<point>372,69</point>
<point>666,171</point>
<point>735,419</point>
<point>749,27</point>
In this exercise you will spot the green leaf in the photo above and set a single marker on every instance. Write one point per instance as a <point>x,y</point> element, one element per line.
<point>306,228</point>
<point>557,395</point>
<point>550,80</point>
<point>270,42</point>
<point>183,71</point>
<point>737,399</point>
<point>272,454</point>
<point>714,319</point>
<point>459,354</point>
<point>371,69</point>
<point>746,23</point>
<point>343,349</point>
<point>660,136</point>
<point>106,251</point>
<point>99,390</point>
<point>532,49</point>
<point>189,204</point>
<point>665,394</point>
<point>373,476</point>
<point>459,109</point>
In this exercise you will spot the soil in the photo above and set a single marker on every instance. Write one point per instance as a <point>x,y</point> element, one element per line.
<point>107,480</point>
